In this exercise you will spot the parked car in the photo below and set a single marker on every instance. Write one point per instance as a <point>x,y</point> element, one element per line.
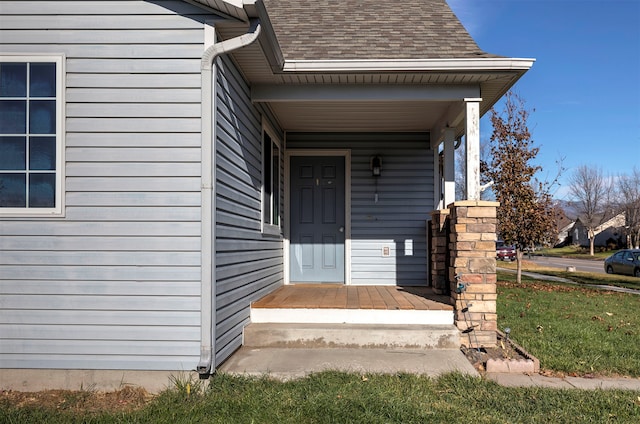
<point>505,252</point>
<point>626,261</point>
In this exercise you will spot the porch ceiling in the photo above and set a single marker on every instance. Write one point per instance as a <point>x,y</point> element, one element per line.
<point>364,116</point>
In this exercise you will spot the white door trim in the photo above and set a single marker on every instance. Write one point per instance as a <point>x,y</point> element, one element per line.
<point>347,206</point>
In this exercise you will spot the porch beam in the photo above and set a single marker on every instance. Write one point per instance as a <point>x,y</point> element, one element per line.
<point>472,137</point>
<point>452,117</point>
<point>362,92</point>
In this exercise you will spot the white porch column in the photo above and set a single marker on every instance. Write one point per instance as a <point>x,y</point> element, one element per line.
<point>472,136</point>
<point>437,179</point>
<point>449,167</point>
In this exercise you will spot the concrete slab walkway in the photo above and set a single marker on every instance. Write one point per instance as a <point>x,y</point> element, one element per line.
<point>286,364</point>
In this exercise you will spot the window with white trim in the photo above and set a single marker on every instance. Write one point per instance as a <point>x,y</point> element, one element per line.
<point>31,135</point>
<point>271,171</point>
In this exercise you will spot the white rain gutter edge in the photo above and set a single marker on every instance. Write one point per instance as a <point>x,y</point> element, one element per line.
<point>208,191</point>
<point>391,65</point>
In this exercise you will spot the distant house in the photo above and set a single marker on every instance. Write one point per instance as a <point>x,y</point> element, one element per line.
<point>164,164</point>
<point>611,229</point>
<point>564,225</point>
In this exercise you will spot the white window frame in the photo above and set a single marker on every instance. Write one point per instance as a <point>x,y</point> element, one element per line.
<point>58,209</point>
<point>268,227</point>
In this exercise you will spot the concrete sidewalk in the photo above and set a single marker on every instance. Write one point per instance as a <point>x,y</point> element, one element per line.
<point>567,281</point>
<point>537,380</point>
<point>286,364</point>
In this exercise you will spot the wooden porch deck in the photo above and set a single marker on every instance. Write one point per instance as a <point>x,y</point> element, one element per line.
<point>333,296</point>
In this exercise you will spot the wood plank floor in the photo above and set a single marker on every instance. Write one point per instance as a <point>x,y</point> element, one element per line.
<point>333,296</point>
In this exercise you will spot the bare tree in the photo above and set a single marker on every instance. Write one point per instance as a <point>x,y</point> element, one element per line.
<point>592,191</point>
<point>526,213</point>
<point>628,192</point>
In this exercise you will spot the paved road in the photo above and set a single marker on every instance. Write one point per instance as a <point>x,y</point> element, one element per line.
<point>563,263</point>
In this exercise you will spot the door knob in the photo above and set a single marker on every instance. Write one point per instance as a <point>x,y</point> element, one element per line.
<point>341,229</point>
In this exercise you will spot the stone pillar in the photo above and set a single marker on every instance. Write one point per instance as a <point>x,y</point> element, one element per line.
<point>439,251</point>
<point>472,243</point>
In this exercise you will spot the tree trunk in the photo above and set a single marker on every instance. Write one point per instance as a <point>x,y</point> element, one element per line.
<point>592,241</point>
<point>519,255</point>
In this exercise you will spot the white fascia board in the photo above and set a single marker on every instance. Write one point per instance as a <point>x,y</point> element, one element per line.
<point>395,65</point>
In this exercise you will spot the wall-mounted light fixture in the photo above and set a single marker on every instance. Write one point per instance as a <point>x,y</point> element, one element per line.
<point>376,166</point>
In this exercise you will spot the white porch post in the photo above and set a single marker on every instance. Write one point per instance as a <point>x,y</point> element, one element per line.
<point>472,136</point>
<point>437,180</point>
<point>449,167</point>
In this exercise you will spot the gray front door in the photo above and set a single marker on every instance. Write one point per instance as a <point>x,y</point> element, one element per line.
<point>317,219</point>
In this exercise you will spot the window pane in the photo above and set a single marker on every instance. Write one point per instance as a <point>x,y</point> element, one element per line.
<point>13,80</point>
<point>43,80</point>
<point>13,190</point>
<point>13,153</point>
<point>13,116</point>
<point>42,153</point>
<point>42,117</point>
<point>42,190</point>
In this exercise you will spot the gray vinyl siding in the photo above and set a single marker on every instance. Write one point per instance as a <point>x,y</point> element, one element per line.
<point>115,282</point>
<point>248,263</point>
<point>405,200</point>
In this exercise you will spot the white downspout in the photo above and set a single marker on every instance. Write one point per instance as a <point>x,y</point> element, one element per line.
<point>208,196</point>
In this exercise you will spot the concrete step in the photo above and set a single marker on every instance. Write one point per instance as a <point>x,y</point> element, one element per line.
<point>385,336</point>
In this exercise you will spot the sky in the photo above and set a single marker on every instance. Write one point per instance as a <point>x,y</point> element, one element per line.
<point>584,88</point>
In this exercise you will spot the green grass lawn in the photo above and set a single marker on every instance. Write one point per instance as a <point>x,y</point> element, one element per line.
<point>572,329</point>
<point>332,397</point>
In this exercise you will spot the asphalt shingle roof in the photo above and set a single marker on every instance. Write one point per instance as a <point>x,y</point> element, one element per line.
<point>369,29</point>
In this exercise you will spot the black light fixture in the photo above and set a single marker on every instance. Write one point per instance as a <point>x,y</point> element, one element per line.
<point>376,166</point>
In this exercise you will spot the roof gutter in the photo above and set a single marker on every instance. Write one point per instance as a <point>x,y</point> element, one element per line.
<point>208,191</point>
<point>409,65</point>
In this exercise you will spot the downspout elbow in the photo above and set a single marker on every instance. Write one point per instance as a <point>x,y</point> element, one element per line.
<point>227,46</point>
<point>208,98</point>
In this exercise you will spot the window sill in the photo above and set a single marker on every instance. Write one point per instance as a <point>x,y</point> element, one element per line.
<point>17,213</point>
